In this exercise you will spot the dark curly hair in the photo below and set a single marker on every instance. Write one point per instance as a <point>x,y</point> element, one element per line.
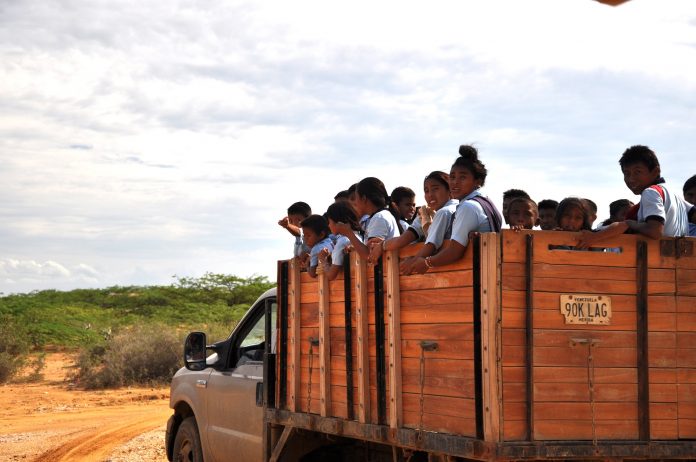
<point>639,154</point>
<point>468,159</point>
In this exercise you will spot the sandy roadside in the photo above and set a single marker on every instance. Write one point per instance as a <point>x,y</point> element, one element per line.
<point>52,421</point>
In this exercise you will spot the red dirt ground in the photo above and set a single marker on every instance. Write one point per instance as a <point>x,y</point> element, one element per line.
<point>50,420</point>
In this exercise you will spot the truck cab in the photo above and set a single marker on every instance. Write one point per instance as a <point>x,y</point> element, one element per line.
<point>217,397</point>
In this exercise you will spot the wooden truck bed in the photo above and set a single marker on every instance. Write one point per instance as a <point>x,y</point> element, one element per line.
<point>521,350</point>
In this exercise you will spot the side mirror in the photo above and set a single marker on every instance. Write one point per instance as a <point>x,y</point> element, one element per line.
<point>194,351</point>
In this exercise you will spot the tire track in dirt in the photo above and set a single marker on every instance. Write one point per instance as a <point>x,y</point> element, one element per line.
<point>97,443</point>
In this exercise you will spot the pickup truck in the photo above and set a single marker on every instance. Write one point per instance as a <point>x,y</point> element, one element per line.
<point>525,349</point>
<point>218,399</point>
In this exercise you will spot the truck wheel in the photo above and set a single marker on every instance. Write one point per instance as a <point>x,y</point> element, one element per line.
<point>187,444</point>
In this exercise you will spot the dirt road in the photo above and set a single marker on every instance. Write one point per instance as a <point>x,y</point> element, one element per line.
<point>50,421</point>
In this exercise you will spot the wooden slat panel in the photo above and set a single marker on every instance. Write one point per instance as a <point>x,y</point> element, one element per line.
<point>437,314</point>
<point>464,263</point>
<point>456,332</point>
<point>457,411</point>
<point>294,359</point>
<point>563,338</point>
<point>553,319</point>
<point>660,375</point>
<point>395,410</point>
<point>515,430</point>
<point>515,392</point>
<point>490,335</point>
<point>361,325</point>
<point>309,314</point>
<point>448,279</point>
<point>602,375</point>
<point>513,337</point>
<point>513,250</point>
<point>513,374</point>
<point>570,411</point>
<point>663,392</point>
<point>572,392</point>
<point>324,345</point>
<point>464,426</point>
<point>569,356</point>
<point>664,429</point>
<point>442,377</point>
<point>582,429</point>
<point>514,356</point>
<point>437,297</point>
<point>515,411</point>
<point>686,281</point>
<point>450,349</point>
<point>551,301</point>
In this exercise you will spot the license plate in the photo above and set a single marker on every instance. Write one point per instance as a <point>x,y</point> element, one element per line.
<point>586,309</point>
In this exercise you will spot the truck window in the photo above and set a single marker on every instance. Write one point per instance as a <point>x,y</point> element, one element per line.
<point>251,348</point>
<point>257,333</point>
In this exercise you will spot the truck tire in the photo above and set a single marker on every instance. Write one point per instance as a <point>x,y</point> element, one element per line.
<point>187,443</point>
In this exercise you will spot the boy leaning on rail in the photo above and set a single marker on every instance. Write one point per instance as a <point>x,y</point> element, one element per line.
<point>660,212</point>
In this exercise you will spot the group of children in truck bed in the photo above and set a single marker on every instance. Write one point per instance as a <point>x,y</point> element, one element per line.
<point>367,220</point>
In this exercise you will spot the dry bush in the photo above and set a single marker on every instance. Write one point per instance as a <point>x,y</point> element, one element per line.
<point>14,344</point>
<point>144,355</point>
<point>32,371</point>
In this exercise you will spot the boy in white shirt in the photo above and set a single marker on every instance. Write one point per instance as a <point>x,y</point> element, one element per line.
<point>660,211</point>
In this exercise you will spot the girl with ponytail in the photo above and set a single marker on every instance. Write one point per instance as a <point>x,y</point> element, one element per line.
<point>371,199</point>
<point>475,212</point>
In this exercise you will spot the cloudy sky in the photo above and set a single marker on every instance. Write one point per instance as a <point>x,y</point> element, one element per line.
<point>143,139</point>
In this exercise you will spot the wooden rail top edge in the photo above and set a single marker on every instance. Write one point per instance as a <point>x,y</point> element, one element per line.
<point>666,246</point>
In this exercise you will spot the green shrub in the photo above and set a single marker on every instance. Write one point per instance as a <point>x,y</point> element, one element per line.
<point>144,355</point>
<point>82,318</point>
<point>14,345</point>
<point>218,332</point>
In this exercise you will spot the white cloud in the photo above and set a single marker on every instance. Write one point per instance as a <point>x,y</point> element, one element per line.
<point>144,142</point>
<point>32,268</point>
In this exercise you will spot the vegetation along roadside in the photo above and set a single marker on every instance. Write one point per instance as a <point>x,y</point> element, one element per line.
<point>124,334</point>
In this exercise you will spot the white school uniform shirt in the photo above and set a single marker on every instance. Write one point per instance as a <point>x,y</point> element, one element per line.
<point>381,224</point>
<point>314,254</point>
<point>300,248</point>
<point>339,249</point>
<point>672,211</point>
<point>441,220</point>
<point>417,228</point>
<point>469,217</point>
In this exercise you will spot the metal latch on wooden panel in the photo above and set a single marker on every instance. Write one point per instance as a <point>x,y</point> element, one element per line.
<point>591,343</point>
<point>426,345</point>
<point>584,341</point>
<point>312,343</point>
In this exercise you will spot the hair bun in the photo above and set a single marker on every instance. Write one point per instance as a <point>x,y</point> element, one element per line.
<point>468,152</point>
